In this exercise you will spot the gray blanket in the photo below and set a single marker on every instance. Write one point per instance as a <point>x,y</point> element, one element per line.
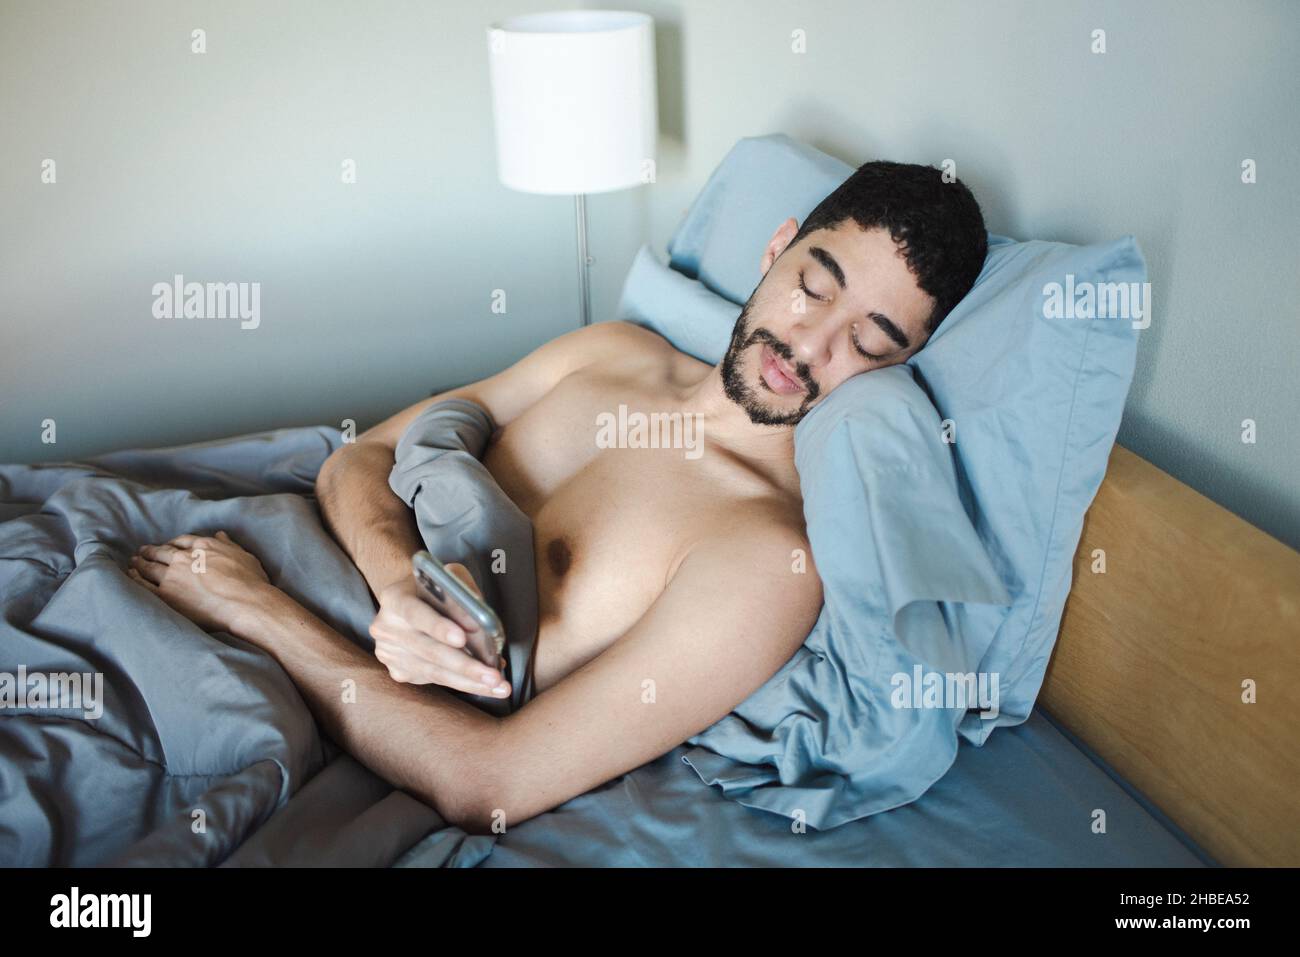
<point>128,735</point>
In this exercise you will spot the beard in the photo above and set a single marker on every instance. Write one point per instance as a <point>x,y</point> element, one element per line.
<point>739,391</point>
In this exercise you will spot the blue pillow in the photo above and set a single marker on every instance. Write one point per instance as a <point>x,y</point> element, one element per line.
<point>1035,402</point>
<point>1034,405</point>
<point>681,310</point>
<point>760,184</point>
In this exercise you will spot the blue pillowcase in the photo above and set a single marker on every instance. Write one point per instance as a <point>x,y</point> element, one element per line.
<point>681,310</point>
<point>760,184</point>
<point>1033,404</point>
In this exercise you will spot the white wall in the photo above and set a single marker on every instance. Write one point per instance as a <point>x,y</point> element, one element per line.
<point>225,166</point>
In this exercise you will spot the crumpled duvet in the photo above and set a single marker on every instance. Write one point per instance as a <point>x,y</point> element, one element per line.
<point>202,751</point>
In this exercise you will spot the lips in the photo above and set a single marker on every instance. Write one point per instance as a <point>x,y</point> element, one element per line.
<point>776,374</point>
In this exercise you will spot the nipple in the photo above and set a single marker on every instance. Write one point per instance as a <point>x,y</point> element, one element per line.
<point>558,556</point>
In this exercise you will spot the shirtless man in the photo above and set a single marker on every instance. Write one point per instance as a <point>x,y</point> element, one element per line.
<point>651,565</point>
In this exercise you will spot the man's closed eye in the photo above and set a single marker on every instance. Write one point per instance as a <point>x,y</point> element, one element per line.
<point>808,292</point>
<point>853,335</point>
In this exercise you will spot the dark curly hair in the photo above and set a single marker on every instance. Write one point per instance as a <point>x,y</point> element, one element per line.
<point>938,226</point>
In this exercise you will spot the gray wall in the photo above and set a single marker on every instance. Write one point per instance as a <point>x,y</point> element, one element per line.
<point>226,166</point>
<point>1060,143</point>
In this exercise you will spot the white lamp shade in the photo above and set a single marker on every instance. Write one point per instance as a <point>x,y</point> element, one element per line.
<point>573,97</point>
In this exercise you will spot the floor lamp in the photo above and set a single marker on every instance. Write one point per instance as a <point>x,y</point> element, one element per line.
<point>574,105</point>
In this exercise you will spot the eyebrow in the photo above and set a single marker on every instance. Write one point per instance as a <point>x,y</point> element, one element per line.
<point>832,267</point>
<point>884,322</point>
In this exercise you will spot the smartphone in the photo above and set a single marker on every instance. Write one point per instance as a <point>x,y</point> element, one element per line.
<point>484,636</point>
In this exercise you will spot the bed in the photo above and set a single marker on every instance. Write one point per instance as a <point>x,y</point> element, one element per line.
<point>1029,795</point>
<point>1142,749</point>
<point>1026,799</point>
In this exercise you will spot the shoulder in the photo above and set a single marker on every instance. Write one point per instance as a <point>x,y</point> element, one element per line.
<point>612,355</point>
<point>605,342</point>
<point>615,346</point>
<point>621,332</point>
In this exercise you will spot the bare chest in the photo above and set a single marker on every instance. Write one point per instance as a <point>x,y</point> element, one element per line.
<point>609,523</point>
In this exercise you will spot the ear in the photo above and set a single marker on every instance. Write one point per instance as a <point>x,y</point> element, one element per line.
<point>776,245</point>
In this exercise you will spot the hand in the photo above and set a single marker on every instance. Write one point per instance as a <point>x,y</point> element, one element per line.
<point>211,581</point>
<point>421,647</point>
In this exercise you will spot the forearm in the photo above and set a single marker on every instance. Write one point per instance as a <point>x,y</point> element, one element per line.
<point>419,739</point>
<point>367,519</point>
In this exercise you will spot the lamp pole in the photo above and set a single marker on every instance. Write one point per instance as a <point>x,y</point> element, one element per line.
<point>584,261</point>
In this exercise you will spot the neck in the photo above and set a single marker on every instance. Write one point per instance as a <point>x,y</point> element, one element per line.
<point>726,424</point>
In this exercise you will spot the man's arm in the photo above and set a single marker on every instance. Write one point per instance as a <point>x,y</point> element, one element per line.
<point>369,521</point>
<point>732,614</point>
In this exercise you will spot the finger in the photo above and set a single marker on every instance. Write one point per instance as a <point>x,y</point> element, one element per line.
<point>139,579</point>
<point>184,541</point>
<point>400,675</point>
<point>475,679</point>
<point>463,671</point>
<point>413,613</point>
<point>164,554</point>
<point>451,679</point>
<point>461,572</point>
<point>453,666</point>
<point>152,571</point>
<point>225,538</point>
<point>385,656</point>
<point>389,624</point>
<point>402,667</point>
<point>399,636</point>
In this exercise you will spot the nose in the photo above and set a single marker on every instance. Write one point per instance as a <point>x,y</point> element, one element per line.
<point>810,340</point>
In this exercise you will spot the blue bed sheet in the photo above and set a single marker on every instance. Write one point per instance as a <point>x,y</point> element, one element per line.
<point>1027,798</point>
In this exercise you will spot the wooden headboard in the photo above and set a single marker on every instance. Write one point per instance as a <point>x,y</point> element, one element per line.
<point>1154,654</point>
